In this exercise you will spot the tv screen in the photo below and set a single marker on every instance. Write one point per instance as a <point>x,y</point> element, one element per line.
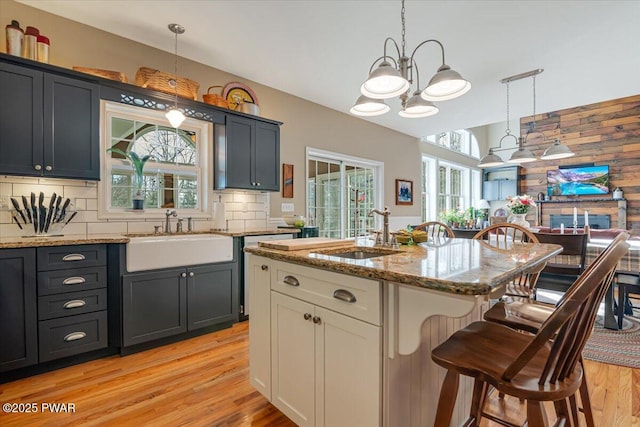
<point>578,181</point>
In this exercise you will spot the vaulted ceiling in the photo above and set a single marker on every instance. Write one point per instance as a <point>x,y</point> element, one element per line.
<point>322,50</point>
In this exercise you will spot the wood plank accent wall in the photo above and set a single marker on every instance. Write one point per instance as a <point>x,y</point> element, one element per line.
<point>604,133</point>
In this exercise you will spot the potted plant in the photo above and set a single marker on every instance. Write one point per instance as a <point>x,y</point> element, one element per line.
<point>137,163</point>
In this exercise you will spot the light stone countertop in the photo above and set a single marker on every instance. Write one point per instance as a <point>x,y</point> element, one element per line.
<point>460,266</point>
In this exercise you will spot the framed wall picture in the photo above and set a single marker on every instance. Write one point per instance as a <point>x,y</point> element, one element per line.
<point>287,181</point>
<point>404,192</point>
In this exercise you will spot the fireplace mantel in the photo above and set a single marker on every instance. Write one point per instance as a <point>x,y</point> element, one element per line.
<point>622,207</point>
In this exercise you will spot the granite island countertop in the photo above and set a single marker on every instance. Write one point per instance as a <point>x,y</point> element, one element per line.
<point>460,266</point>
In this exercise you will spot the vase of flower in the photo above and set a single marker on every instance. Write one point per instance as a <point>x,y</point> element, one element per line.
<point>519,206</point>
<point>519,219</point>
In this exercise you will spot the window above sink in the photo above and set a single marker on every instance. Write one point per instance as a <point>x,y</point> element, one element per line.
<point>176,176</point>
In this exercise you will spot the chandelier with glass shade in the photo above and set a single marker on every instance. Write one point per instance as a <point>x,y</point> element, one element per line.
<point>394,77</point>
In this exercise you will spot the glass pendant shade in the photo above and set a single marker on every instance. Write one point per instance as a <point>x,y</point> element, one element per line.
<point>490,160</point>
<point>175,117</point>
<point>445,84</point>
<point>418,107</point>
<point>366,106</point>
<point>557,151</point>
<point>384,82</point>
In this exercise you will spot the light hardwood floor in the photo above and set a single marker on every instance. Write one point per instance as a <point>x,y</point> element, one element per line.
<point>204,382</point>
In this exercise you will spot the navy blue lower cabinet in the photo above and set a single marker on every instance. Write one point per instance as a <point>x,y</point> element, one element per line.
<point>163,303</point>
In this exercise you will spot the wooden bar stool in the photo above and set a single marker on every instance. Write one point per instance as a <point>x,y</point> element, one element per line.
<point>536,368</point>
<point>528,315</point>
<point>501,236</point>
<point>436,229</point>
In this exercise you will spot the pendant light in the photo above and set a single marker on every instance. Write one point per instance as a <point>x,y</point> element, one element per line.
<point>393,77</point>
<point>174,115</point>
<point>524,155</point>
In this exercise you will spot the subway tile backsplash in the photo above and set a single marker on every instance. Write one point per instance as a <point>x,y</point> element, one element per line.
<point>244,210</point>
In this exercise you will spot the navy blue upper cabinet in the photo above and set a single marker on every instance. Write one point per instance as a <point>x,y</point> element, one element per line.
<point>49,124</point>
<point>248,157</point>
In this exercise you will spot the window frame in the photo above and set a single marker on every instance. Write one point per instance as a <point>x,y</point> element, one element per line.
<point>471,186</point>
<point>204,164</point>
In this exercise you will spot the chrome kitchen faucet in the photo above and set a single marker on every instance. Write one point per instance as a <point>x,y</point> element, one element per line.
<point>168,214</point>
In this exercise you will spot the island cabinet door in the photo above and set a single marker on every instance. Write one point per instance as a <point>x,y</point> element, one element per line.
<point>259,281</point>
<point>293,358</point>
<point>348,371</point>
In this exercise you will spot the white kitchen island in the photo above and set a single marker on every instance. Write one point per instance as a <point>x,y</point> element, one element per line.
<point>347,342</point>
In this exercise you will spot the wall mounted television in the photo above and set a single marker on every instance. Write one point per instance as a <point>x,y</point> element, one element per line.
<point>578,181</point>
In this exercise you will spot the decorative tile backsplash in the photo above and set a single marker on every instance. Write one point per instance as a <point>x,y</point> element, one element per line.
<point>243,210</point>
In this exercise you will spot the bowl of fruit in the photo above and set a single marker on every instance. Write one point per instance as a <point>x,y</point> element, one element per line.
<point>295,220</point>
<point>408,236</point>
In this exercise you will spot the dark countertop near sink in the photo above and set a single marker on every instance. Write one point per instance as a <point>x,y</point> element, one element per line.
<point>461,266</point>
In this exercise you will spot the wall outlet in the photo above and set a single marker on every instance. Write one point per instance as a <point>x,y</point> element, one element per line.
<point>5,203</point>
<point>287,207</point>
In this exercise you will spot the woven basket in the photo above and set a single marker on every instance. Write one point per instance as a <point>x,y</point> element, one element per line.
<point>159,80</point>
<point>106,74</point>
<point>215,99</point>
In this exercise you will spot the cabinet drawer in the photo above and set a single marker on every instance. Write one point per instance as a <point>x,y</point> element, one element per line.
<point>71,304</point>
<point>62,257</point>
<point>72,335</point>
<point>79,279</point>
<point>353,296</point>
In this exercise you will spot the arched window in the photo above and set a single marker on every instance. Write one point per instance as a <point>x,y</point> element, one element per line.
<point>173,176</point>
<point>461,141</point>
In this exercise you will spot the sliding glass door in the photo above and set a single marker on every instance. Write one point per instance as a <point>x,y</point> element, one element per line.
<point>340,193</point>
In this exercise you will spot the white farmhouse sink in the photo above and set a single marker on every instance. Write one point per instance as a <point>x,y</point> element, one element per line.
<point>153,252</point>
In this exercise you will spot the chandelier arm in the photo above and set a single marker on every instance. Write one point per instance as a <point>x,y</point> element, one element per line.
<point>415,65</point>
<point>425,42</point>
<point>394,43</point>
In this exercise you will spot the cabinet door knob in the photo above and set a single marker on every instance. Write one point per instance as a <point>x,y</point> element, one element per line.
<point>37,167</point>
<point>317,320</point>
<point>258,184</point>
<point>307,316</point>
<point>291,281</point>
<point>264,267</point>
<point>191,274</point>
<point>183,275</point>
<point>48,168</point>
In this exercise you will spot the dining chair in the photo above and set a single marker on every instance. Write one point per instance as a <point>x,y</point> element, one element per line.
<point>536,368</point>
<point>502,236</point>
<point>435,229</point>
<point>628,282</point>
<point>528,315</point>
<point>560,273</point>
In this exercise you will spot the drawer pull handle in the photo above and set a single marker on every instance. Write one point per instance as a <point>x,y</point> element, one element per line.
<point>73,336</point>
<point>264,267</point>
<point>74,303</point>
<point>73,257</point>
<point>73,280</point>
<point>344,295</point>
<point>291,281</point>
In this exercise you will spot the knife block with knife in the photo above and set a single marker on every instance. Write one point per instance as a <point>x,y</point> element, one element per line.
<point>44,217</point>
